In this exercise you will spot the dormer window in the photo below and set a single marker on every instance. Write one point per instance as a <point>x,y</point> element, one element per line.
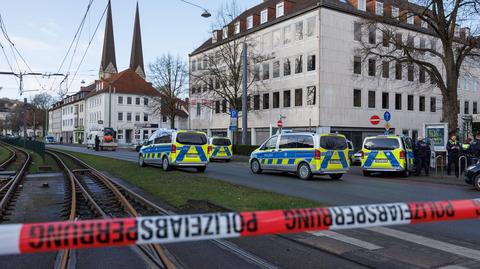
<point>225,32</point>
<point>264,16</point>
<point>249,22</point>
<point>395,12</point>
<point>410,18</point>
<point>362,5</point>
<point>237,28</point>
<point>280,9</point>
<point>214,37</point>
<point>379,8</point>
<point>424,24</point>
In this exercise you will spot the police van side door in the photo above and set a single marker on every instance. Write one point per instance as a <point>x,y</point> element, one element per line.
<point>269,150</point>
<point>409,155</point>
<point>285,155</point>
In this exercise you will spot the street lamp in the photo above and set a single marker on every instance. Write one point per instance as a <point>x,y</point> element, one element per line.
<point>205,13</point>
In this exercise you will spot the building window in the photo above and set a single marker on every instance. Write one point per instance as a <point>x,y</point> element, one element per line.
<point>276,100</point>
<point>475,111</point>
<point>357,65</point>
<point>266,71</point>
<point>120,134</point>
<point>311,62</point>
<point>287,34</point>
<point>137,101</point>
<point>422,45</point>
<point>362,5</point>
<point>224,106</point>
<point>433,45</point>
<point>280,10</point>
<point>311,26</point>
<point>145,117</point>
<point>249,22</point>
<point>410,18</point>
<point>371,99</point>
<point>410,102</point>
<point>286,98</point>
<point>164,118</point>
<point>466,108</point>
<point>256,102</point>
<point>395,12</point>
<point>386,39</point>
<point>277,38</point>
<point>129,100</point>
<point>410,41</point>
<point>372,35</point>
<point>266,101</point>
<point>410,72</point>
<point>385,100</point>
<point>217,107</point>
<point>145,101</point>
<point>287,67</point>
<point>385,69</point>
<point>264,16</point>
<point>120,100</point>
<point>237,28</point>
<point>214,40</point>
<point>421,105</point>
<point>199,109</point>
<point>120,116</point>
<point>398,40</point>
<point>421,76</point>
<point>379,8</point>
<point>299,64</point>
<point>311,95</point>
<point>225,32</point>
<point>129,116</point>
<point>276,69</point>
<point>357,98</point>
<point>433,104</point>
<point>137,116</point>
<point>256,72</point>
<point>371,67</point>
<point>357,31</point>
<point>398,70</point>
<point>398,101</point>
<point>298,97</point>
<point>299,30</point>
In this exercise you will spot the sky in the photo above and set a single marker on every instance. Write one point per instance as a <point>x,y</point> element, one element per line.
<point>43,30</point>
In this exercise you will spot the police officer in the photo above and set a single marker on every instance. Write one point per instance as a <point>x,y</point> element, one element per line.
<point>453,150</point>
<point>466,152</point>
<point>475,146</point>
<point>422,156</point>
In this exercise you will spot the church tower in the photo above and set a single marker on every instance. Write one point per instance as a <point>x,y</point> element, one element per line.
<point>108,65</point>
<point>136,56</point>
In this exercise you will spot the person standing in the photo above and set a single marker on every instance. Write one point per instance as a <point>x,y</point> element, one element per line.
<point>61,139</point>
<point>97,143</point>
<point>467,152</point>
<point>475,146</point>
<point>453,150</point>
<point>422,156</point>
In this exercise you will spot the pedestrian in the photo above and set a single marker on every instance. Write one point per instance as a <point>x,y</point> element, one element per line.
<point>475,146</point>
<point>422,156</point>
<point>453,151</point>
<point>61,139</point>
<point>97,143</point>
<point>71,139</point>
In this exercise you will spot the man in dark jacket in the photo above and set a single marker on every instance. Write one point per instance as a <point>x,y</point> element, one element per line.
<point>422,156</point>
<point>475,146</point>
<point>453,150</point>
<point>97,142</point>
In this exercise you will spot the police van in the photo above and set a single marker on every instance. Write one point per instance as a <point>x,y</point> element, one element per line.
<point>306,154</point>
<point>220,148</point>
<point>171,148</point>
<point>388,153</point>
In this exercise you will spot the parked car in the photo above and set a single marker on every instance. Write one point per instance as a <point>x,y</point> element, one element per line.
<point>472,175</point>
<point>357,158</point>
<point>49,139</point>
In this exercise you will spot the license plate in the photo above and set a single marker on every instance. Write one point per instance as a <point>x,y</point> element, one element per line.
<point>335,161</point>
<point>192,155</point>
<point>381,161</point>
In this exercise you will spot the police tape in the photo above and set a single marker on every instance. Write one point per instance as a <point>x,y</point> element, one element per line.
<point>53,236</point>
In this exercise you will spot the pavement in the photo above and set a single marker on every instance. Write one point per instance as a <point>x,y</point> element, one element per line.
<point>433,245</point>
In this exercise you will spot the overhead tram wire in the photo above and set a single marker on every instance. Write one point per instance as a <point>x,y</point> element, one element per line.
<point>72,42</point>
<point>8,62</point>
<point>90,42</point>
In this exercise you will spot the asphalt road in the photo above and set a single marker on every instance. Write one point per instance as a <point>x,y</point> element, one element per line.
<point>458,241</point>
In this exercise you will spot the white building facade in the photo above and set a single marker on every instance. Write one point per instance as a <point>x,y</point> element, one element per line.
<point>312,78</point>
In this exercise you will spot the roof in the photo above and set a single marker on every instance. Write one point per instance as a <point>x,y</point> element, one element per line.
<point>180,112</point>
<point>128,82</point>
<point>302,6</point>
<point>108,53</point>
<point>136,56</point>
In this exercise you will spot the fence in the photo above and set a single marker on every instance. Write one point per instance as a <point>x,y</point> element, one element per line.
<point>35,146</point>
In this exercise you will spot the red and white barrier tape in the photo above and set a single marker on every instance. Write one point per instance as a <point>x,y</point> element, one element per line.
<point>52,236</point>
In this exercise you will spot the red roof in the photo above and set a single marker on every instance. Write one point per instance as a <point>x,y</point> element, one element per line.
<point>128,82</point>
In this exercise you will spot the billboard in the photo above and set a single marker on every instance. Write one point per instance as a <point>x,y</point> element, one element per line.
<point>437,133</point>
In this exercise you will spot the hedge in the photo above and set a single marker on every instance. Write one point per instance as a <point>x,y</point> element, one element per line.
<point>244,150</point>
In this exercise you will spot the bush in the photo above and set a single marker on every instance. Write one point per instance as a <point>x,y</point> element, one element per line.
<point>244,150</point>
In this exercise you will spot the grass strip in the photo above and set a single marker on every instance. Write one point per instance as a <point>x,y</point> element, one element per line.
<point>4,154</point>
<point>177,187</point>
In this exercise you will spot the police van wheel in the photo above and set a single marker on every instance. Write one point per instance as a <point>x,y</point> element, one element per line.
<point>304,172</point>
<point>227,160</point>
<point>201,169</point>
<point>366,173</point>
<point>336,176</point>
<point>255,167</point>
<point>141,161</point>
<point>476,182</point>
<point>166,165</point>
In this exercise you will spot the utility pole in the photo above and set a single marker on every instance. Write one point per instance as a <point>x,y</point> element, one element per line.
<point>24,121</point>
<point>244,95</point>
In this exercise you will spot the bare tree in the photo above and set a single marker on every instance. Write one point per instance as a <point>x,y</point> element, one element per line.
<point>169,77</point>
<point>220,77</point>
<point>39,110</point>
<point>446,41</point>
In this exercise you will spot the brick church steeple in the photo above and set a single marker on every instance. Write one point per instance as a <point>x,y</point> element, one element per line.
<point>136,56</point>
<point>108,65</point>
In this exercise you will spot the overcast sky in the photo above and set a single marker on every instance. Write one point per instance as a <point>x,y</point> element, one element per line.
<point>43,30</point>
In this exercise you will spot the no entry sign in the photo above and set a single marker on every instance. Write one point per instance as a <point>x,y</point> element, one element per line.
<point>280,124</point>
<point>375,120</point>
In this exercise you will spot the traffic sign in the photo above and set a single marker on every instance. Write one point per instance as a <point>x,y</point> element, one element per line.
<point>387,116</point>
<point>387,126</point>
<point>375,120</point>
<point>280,124</point>
<point>233,113</point>
<point>232,128</point>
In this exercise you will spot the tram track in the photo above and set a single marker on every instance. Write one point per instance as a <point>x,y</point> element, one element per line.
<point>91,195</point>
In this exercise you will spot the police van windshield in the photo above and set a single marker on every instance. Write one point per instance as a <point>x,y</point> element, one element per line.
<point>381,144</point>
<point>221,142</point>
<point>333,143</point>
<point>191,139</point>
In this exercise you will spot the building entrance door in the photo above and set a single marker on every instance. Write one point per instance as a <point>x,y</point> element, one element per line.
<point>128,136</point>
